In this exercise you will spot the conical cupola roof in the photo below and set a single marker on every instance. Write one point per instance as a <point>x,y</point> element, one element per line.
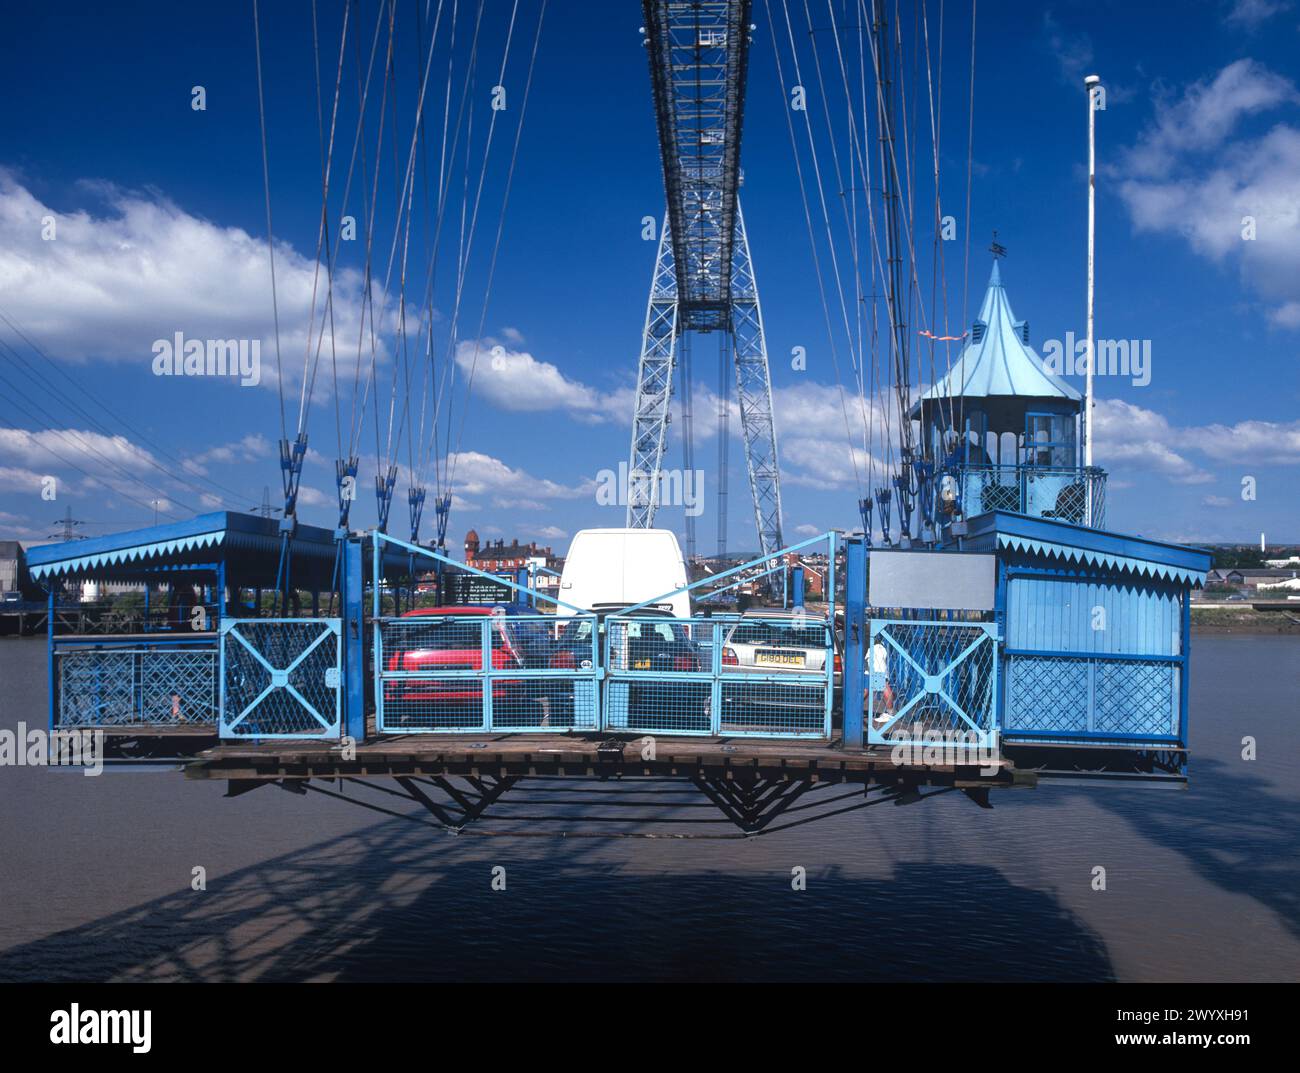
<point>998,362</point>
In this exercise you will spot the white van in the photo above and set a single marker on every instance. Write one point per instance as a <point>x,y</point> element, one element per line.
<point>612,567</point>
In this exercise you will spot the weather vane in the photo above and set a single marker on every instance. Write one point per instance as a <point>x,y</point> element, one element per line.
<point>996,248</point>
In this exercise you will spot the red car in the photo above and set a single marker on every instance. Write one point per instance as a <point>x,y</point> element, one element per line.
<point>453,641</point>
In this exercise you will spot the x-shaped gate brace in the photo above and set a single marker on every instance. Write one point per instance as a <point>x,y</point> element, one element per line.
<point>932,683</point>
<point>280,677</point>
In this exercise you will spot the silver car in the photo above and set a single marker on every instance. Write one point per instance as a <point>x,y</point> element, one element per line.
<point>777,642</point>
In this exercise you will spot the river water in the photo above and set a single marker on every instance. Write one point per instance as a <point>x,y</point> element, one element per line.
<point>1201,884</point>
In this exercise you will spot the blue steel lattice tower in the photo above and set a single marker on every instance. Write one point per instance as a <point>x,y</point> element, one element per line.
<point>703,279</point>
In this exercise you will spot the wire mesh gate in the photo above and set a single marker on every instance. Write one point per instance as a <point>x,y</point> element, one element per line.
<point>753,675</point>
<point>476,668</point>
<point>504,667</point>
<point>280,678</point>
<point>467,669</point>
<point>932,682</point>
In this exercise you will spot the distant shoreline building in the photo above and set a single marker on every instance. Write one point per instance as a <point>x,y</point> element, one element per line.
<point>1250,578</point>
<point>500,557</point>
<point>13,567</point>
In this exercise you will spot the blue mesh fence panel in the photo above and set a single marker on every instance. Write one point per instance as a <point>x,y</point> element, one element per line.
<point>163,685</point>
<point>1092,698</point>
<point>762,674</point>
<point>1045,693</point>
<point>1136,698</point>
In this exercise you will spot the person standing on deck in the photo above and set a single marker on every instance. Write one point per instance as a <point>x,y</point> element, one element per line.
<point>878,671</point>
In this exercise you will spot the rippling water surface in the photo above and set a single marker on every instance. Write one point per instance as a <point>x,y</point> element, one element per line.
<point>1202,884</point>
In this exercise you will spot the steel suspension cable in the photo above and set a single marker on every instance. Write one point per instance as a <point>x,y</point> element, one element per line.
<point>270,241</point>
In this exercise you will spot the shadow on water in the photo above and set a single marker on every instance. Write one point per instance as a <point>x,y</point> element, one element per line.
<point>1242,835</point>
<point>395,902</point>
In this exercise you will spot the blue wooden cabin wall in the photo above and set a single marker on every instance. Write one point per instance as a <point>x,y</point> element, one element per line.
<point>1076,673</point>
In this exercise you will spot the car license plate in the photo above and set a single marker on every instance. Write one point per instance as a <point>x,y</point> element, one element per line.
<point>780,659</point>
<point>641,665</point>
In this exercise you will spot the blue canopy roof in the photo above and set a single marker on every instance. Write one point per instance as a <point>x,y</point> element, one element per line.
<point>249,546</point>
<point>998,363</point>
<point>1053,540</point>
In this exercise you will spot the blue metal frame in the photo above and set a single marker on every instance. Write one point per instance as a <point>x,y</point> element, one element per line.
<point>49,652</point>
<point>855,608</point>
<point>598,673</point>
<point>1184,675</point>
<point>60,646</point>
<point>354,650</point>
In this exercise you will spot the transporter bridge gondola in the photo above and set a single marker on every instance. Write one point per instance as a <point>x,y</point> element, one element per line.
<point>983,631</point>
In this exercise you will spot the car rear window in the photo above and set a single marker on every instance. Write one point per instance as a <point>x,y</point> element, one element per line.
<point>780,634</point>
<point>576,632</point>
<point>449,634</point>
<point>655,631</point>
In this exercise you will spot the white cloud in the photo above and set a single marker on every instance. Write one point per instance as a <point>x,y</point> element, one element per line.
<point>18,479</point>
<point>512,503</point>
<point>312,497</point>
<point>1073,52</point>
<point>108,285</point>
<point>1287,315</point>
<point>1126,435</point>
<point>823,435</point>
<point>1130,438</point>
<point>95,453</point>
<point>477,474</point>
<point>1207,113</point>
<point>515,380</point>
<point>1251,14</point>
<point>1189,176</point>
<point>814,421</point>
<point>90,463</point>
<point>1268,442</point>
<point>251,448</point>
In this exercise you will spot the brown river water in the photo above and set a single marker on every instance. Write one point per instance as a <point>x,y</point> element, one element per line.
<point>1202,883</point>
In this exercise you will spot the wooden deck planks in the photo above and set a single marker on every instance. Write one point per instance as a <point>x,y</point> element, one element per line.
<point>583,755</point>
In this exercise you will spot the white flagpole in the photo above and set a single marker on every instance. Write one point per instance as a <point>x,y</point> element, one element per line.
<point>1091,83</point>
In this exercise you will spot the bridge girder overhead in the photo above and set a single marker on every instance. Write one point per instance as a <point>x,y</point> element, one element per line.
<point>698,53</point>
<point>699,57</point>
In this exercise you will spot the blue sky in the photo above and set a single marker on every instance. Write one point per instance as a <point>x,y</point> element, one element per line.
<point>160,227</point>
